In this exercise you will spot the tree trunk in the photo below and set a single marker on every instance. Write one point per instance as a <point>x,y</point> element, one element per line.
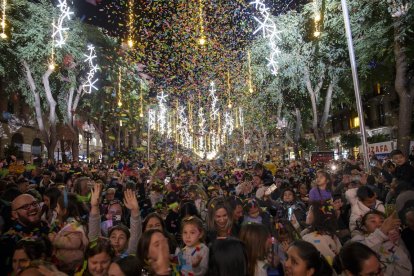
<point>75,145</point>
<point>404,86</point>
<point>298,128</point>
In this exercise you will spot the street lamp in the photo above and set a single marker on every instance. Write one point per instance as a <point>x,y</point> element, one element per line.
<point>88,130</point>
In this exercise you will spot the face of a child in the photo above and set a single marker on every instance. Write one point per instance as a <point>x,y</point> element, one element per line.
<point>238,212</point>
<point>118,240</point>
<point>254,211</point>
<point>115,270</point>
<point>321,179</point>
<point>399,159</point>
<point>337,204</point>
<point>373,222</point>
<point>191,234</point>
<point>288,196</point>
<point>303,190</point>
<point>370,202</point>
<point>153,223</point>
<point>114,210</point>
<point>98,265</point>
<point>20,261</point>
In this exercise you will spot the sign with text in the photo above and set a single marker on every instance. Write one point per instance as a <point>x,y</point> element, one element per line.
<point>322,156</point>
<point>381,150</point>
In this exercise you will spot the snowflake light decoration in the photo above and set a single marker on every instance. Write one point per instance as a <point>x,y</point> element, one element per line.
<point>162,116</point>
<point>152,119</point>
<point>214,100</point>
<point>269,29</point>
<point>228,123</point>
<point>89,85</point>
<point>59,31</point>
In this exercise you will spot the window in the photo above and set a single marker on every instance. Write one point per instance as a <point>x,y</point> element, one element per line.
<point>355,122</point>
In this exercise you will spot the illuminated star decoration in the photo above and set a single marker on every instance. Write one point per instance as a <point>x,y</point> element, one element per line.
<point>162,116</point>
<point>59,31</point>
<point>228,123</point>
<point>214,100</point>
<point>89,84</point>
<point>202,129</point>
<point>269,29</point>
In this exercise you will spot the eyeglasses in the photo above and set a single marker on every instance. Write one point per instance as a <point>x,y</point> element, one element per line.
<point>26,207</point>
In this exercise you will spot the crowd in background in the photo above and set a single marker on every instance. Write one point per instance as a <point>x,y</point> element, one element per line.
<point>218,217</point>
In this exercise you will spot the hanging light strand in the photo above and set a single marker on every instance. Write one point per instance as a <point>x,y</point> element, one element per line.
<point>141,105</point>
<point>228,90</point>
<point>59,30</point>
<point>119,88</point>
<point>52,54</point>
<point>130,23</point>
<point>202,39</point>
<point>317,18</point>
<point>89,84</point>
<point>3,20</point>
<point>250,82</point>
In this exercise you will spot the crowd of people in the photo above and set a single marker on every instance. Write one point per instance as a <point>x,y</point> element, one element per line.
<point>218,217</point>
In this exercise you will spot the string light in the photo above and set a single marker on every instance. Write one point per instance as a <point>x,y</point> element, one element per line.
<point>3,20</point>
<point>169,127</point>
<point>152,119</point>
<point>228,123</point>
<point>59,31</point>
<point>202,129</point>
<point>141,107</point>
<point>317,18</point>
<point>250,72</point>
<point>130,23</point>
<point>162,116</point>
<point>228,90</point>
<point>51,65</point>
<point>214,110</point>
<point>93,68</point>
<point>268,26</point>
<point>202,39</point>
<point>119,88</point>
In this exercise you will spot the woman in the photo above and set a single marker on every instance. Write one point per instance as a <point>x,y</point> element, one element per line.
<point>155,221</point>
<point>303,259</point>
<point>153,253</point>
<point>98,256</point>
<point>27,251</point>
<point>236,206</point>
<point>356,259</point>
<point>219,220</point>
<point>227,258</point>
<point>255,238</point>
<point>322,231</point>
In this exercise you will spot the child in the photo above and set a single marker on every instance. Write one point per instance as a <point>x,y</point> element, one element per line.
<point>323,190</point>
<point>384,238</point>
<point>362,200</point>
<point>70,242</point>
<point>193,258</point>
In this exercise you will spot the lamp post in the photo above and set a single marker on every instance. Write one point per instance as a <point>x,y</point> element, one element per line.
<point>356,84</point>
<point>88,130</point>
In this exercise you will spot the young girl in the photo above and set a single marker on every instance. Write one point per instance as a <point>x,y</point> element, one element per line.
<point>383,237</point>
<point>70,242</point>
<point>323,189</point>
<point>193,258</point>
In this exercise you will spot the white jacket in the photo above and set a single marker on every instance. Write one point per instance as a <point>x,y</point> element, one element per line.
<point>394,256</point>
<point>358,209</point>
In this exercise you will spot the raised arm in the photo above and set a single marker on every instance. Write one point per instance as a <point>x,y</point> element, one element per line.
<point>131,202</point>
<point>95,216</point>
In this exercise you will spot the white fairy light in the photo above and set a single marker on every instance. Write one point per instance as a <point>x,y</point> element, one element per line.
<point>89,84</point>
<point>162,116</point>
<point>187,139</point>
<point>169,129</point>
<point>3,20</point>
<point>214,100</point>
<point>59,31</point>
<point>152,119</point>
<point>202,129</point>
<point>228,123</point>
<point>269,29</point>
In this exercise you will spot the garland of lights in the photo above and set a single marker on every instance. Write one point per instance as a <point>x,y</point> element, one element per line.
<point>152,119</point>
<point>3,20</point>
<point>162,116</point>
<point>228,90</point>
<point>119,88</point>
<point>89,85</point>
<point>268,26</point>
<point>202,39</point>
<point>59,31</point>
<point>141,106</point>
<point>214,109</point>
<point>317,18</point>
<point>130,23</point>
<point>228,123</point>
<point>250,82</point>
<point>202,129</point>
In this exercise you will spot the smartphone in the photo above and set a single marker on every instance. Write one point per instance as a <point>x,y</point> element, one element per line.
<point>167,180</point>
<point>116,220</point>
<point>290,212</point>
<point>271,189</point>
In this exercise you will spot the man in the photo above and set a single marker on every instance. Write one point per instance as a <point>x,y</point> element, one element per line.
<point>23,185</point>
<point>46,182</point>
<point>26,214</point>
<point>264,174</point>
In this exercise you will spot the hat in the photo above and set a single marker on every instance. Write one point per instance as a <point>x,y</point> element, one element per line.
<point>171,198</point>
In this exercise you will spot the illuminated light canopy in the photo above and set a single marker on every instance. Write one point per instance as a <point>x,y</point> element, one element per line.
<point>59,31</point>
<point>89,85</point>
<point>270,31</point>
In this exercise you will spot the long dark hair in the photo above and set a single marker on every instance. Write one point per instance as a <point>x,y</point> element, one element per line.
<point>73,208</point>
<point>53,194</point>
<point>324,219</point>
<point>129,265</point>
<point>227,257</point>
<point>144,244</point>
<point>351,258</point>
<point>313,258</point>
<point>254,237</point>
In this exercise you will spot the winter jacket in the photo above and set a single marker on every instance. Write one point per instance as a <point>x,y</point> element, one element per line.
<point>358,209</point>
<point>394,256</point>
<point>327,245</point>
